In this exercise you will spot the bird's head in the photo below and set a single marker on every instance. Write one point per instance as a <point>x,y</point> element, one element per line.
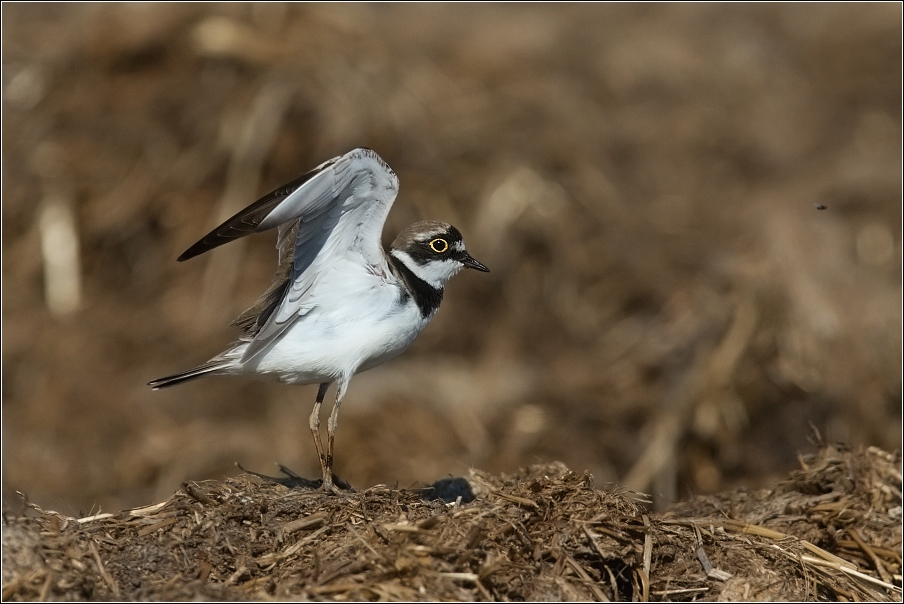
<point>434,251</point>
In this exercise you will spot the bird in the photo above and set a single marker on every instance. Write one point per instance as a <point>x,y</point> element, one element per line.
<point>339,303</point>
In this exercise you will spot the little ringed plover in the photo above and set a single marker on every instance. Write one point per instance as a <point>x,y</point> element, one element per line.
<point>338,304</point>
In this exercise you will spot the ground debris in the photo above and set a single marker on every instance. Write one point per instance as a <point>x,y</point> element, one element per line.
<point>832,531</point>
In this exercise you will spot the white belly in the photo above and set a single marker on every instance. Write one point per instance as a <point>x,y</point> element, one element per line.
<point>342,336</point>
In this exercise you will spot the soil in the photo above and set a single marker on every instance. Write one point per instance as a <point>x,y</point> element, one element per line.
<point>830,531</point>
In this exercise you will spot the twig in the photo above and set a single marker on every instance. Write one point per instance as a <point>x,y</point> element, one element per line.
<point>644,584</point>
<point>850,571</point>
<point>613,583</point>
<point>147,510</point>
<point>242,569</point>
<point>336,588</point>
<point>276,557</point>
<point>45,589</point>
<point>472,577</point>
<point>196,494</point>
<point>617,535</point>
<point>893,556</point>
<point>597,592</point>
<point>599,549</point>
<point>364,541</point>
<point>87,519</point>
<point>518,500</point>
<point>103,571</point>
<point>405,528</point>
<point>308,522</point>
<point>872,555</point>
<point>484,591</point>
<point>704,559</point>
<point>761,531</point>
<point>153,527</point>
<point>675,592</point>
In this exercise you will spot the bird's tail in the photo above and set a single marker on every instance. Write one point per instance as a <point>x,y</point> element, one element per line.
<point>171,380</point>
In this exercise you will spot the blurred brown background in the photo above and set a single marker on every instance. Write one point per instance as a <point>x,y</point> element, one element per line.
<point>667,306</point>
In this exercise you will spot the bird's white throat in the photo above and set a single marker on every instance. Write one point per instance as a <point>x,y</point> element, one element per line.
<point>434,272</point>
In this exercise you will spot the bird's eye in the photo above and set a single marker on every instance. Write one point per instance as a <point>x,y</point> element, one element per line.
<point>439,245</point>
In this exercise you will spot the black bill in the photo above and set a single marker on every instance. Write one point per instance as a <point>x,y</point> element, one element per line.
<point>469,262</point>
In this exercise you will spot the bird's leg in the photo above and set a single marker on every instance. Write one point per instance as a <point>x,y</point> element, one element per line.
<point>331,429</point>
<point>314,423</point>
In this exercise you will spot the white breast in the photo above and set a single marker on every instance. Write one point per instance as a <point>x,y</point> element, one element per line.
<point>355,321</point>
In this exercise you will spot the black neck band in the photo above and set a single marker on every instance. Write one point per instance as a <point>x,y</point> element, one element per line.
<point>425,295</point>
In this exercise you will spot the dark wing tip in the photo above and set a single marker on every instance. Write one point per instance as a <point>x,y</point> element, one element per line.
<point>224,233</point>
<point>191,252</point>
<point>247,220</point>
<point>210,241</point>
<point>242,224</point>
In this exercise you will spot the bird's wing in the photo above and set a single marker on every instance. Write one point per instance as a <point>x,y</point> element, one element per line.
<point>336,210</point>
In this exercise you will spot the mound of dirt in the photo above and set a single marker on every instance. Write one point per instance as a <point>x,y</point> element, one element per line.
<point>832,531</point>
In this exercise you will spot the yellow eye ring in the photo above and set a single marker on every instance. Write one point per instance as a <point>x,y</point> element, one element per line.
<point>439,245</point>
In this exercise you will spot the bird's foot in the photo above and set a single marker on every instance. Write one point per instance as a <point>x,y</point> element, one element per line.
<point>294,481</point>
<point>332,487</point>
<point>330,483</point>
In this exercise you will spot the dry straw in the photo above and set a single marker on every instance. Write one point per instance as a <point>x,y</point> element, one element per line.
<point>831,531</point>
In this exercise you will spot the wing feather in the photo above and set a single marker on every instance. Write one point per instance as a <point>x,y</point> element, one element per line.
<point>337,209</point>
<point>246,221</point>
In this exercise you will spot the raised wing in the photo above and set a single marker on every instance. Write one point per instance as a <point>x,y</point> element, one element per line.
<point>336,209</point>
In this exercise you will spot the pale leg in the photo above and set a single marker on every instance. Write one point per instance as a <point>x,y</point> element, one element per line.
<point>331,429</point>
<point>314,423</point>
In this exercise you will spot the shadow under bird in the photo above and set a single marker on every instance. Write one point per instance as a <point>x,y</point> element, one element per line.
<point>339,303</point>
